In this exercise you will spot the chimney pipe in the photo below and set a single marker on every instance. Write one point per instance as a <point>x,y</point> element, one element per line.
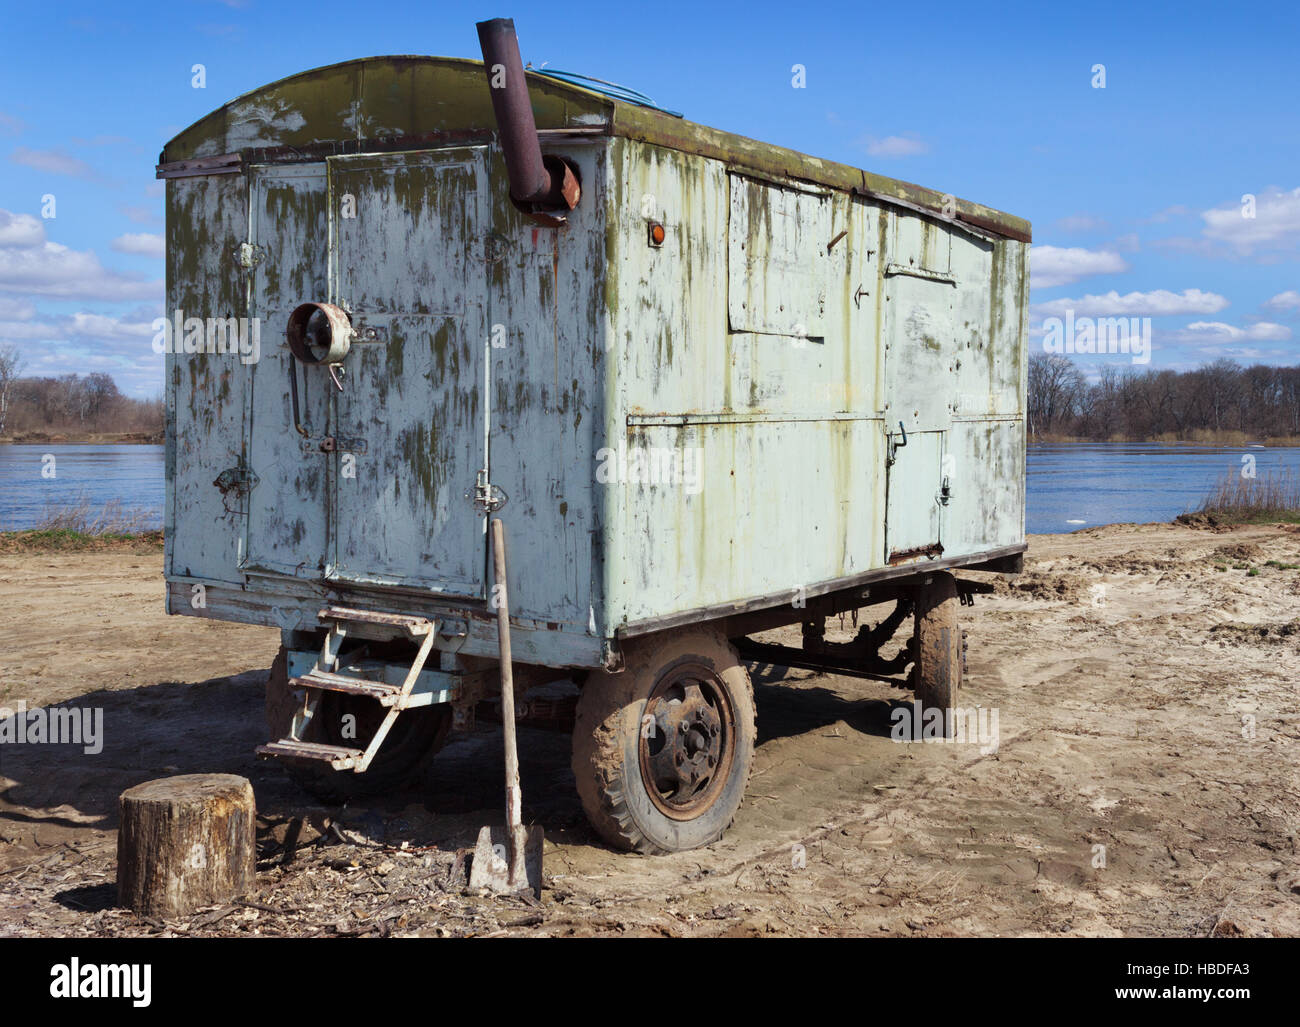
<point>537,183</point>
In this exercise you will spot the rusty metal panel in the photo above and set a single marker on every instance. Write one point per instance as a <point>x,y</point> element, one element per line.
<point>744,463</point>
<point>286,527</point>
<point>920,351</point>
<point>986,461</point>
<point>207,221</point>
<point>650,126</point>
<point>914,510</point>
<point>408,266</point>
<point>778,268</point>
<point>548,358</point>
<point>373,98</point>
<point>745,516</point>
<point>792,481</point>
<point>987,468</point>
<point>920,346</point>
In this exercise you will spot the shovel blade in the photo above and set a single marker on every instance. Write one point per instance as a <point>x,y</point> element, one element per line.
<point>507,862</point>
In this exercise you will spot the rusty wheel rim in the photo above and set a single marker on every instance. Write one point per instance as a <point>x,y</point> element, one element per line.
<point>686,747</point>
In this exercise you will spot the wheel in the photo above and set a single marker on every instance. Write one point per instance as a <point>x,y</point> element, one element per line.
<point>937,648</point>
<point>662,751</point>
<point>351,720</point>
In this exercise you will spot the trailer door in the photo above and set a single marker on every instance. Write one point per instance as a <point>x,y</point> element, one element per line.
<point>408,237</point>
<point>286,482</point>
<point>920,354</point>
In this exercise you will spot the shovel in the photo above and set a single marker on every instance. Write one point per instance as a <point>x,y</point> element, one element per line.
<point>507,861</point>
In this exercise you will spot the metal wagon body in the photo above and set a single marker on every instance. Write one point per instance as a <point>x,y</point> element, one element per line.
<point>732,387</point>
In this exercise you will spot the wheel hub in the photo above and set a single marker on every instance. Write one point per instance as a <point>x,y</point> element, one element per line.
<point>686,741</point>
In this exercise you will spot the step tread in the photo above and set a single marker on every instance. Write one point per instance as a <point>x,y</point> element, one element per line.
<point>415,625</point>
<point>328,681</point>
<point>289,747</point>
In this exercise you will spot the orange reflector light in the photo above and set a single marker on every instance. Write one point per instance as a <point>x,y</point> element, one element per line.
<point>657,234</point>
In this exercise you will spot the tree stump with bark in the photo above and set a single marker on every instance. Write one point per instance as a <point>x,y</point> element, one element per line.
<point>186,842</point>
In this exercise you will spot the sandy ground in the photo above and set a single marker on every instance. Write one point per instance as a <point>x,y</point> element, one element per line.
<point>1146,778</point>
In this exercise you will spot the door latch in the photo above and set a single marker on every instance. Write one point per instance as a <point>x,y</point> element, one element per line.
<point>486,497</point>
<point>894,444</point>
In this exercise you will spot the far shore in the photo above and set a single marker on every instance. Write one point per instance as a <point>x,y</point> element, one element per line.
<point>1227,439</point>
<point>121,438</point>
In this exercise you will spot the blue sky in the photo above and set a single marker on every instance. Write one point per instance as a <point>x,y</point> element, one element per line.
<point>1135,190</point>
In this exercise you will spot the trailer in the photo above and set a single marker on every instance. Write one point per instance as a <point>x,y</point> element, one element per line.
<point>710,386</point>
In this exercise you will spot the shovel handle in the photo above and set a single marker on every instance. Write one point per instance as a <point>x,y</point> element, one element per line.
<point>499,597</point>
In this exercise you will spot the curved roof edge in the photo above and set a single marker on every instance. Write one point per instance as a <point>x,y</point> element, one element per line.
<point>374,98</point>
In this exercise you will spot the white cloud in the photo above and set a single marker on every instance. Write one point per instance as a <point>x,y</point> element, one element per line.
<point>1289,300</point>
<point>143,244</point>
<point>91,327</point>
<point>1276,223</point>
<point>20,230</point>
<point>10,330</point>
<point>56,162</point>
<point>31,264</point>
<point>1217,331</point>
<point>895,146</point>
<point>1158,303</point>
<point>102,326</point>
<point>1055,265</point>
<point>12,309</point>
<point>85,341</point>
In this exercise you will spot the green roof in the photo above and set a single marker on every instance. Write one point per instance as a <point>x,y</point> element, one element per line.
<point>396,101</point>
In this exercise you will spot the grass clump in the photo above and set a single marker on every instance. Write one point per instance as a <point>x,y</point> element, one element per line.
<point>1271,498</point>
<point>80,526</point>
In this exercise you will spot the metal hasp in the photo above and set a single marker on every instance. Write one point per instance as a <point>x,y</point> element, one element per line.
<point>538,183</point>
<point>518,866</point>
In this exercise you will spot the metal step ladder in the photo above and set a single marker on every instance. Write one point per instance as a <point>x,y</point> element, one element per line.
<point>324,677</point>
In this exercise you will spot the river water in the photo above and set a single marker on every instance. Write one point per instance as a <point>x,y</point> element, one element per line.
<point>1070,486</point>
<point>31,482</point>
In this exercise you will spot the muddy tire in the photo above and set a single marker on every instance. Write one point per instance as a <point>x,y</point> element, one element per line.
<point>673,781</point>
<point>414,739</point>
<point>937,646</point>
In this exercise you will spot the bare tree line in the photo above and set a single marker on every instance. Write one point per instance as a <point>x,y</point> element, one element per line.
<point>1218,399</point>
<point>70,404</point>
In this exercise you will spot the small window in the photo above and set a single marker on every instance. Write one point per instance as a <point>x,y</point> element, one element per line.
<point>777,272</point>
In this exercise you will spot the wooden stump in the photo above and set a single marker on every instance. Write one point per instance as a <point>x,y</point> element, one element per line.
<point>186,842</point>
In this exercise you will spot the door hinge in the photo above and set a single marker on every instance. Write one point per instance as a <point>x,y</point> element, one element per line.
<point>250,255</point>
<point>494,248</point>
